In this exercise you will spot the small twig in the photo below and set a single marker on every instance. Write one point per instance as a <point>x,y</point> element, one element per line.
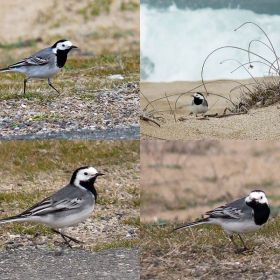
<point>171,111</point>
<point>153,136</point>
<point>147,119</point>
<point>229,115</point>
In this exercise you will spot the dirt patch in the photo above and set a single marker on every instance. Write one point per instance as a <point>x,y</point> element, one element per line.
<point>94,29</point>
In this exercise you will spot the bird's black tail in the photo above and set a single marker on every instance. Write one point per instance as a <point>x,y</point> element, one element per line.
<point>200,222</point>
<point>11,219</point>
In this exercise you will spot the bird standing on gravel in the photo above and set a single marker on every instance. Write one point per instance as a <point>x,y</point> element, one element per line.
<point>67,207</point>
<point>199,104</point>
<point>244,215</point>
<point>44,64</point>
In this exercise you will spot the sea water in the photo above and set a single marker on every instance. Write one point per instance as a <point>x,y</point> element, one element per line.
<point>175,42</point>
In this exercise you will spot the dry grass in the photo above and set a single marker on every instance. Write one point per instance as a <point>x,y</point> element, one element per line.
<point>31,170</point>
<point>206,252</point>
<point>263,94</point>
<point>96,27</point>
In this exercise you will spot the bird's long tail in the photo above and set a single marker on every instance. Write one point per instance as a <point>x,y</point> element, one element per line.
<point>5,70</point>
<point>200,222</point>
<point>12,219</point>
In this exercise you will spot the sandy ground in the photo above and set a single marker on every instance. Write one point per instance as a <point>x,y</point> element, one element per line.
<point>258,124</point>
<point>202,175</point>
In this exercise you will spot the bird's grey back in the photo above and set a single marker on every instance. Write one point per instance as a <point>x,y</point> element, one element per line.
<point>241,204</point>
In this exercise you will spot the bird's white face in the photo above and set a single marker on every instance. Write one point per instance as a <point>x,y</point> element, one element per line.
<point>198,95</point>
<point>85,174</point>
<point>62,46</point>
<point>258,196</point>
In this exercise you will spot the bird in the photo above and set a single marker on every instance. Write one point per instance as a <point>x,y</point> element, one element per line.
<point>44,64</point>
<point>199,104</point>
<point>245,215</point>
<point>67,207</point>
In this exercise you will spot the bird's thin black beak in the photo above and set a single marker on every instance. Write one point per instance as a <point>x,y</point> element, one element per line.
<point>74,47</point>
<point>99,174</point>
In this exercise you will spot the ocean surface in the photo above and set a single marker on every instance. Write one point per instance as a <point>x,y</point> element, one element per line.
<point>177,36</point>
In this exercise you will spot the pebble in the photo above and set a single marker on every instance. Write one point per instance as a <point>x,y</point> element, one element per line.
<point>74,112</point>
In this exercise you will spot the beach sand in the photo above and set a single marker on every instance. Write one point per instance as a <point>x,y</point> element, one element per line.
<point>259,124</point>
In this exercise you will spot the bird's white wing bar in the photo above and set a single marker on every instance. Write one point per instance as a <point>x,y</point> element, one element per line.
<point>49,206</point>
<point>226,212</point>
<point>37,60</point>
<point>68,204</point>
<point>32,60</point>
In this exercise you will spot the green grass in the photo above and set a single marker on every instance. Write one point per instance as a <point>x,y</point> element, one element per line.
<point>95,8</point>
<point>129,6</point>
<point>64,155</point>
<point>80,74</point>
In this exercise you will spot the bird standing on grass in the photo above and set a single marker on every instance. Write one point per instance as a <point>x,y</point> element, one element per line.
<point>44,64</point>
<point>199,104</point>
<point>67,207</point>
<point>247,214</point>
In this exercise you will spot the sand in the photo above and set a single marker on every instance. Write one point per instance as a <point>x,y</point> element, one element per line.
<point>259,124</point>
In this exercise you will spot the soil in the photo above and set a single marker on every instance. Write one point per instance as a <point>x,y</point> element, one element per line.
<point>73,20</point>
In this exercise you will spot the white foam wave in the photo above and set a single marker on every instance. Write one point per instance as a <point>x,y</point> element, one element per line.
<point>174,43</point>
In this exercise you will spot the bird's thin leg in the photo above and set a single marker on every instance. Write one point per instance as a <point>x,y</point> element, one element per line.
<point>66,241</point>
<point>24,84</point>
<point>64,236</point>
<point>236,246</point>
<point>49,81</point>
<point>245,248</point>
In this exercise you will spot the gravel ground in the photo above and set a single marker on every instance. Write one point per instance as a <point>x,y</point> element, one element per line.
<point>112,112</point>
<point>36,263</point>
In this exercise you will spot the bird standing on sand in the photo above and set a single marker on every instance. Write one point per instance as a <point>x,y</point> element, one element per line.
<point>199,104</point>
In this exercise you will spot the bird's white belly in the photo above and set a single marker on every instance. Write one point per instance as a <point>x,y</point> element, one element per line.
<point>61,221</point>
<point>199,109</point>
<point>238,228</point>
<point>38,72</point>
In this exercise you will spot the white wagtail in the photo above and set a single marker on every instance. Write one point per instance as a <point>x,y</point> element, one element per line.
<point>67,207</point>
<point>199,104</point>
<point>244,215</point>
<point>44,64</point>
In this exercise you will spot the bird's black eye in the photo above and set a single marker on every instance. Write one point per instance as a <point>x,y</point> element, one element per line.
<point>63,45</point>
<point>86,173</point>
<point>261,197</point>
